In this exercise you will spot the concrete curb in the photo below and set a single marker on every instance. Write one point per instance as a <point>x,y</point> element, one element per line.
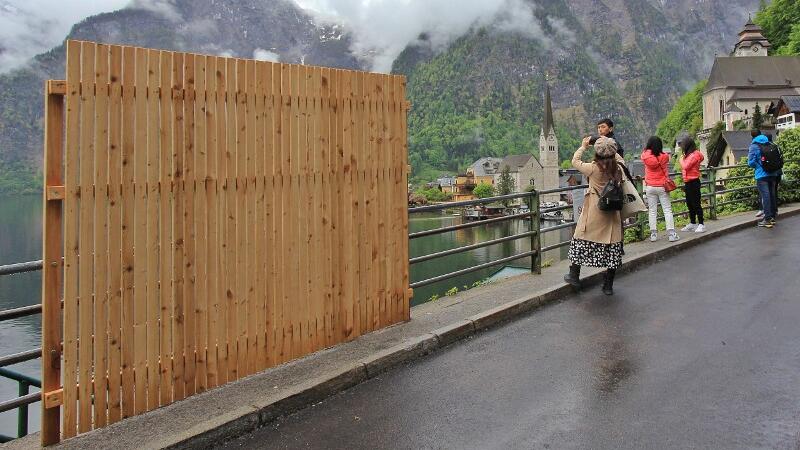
<point>228,425</point>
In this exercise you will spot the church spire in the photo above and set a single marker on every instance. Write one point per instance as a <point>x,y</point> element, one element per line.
<point>548,111</point>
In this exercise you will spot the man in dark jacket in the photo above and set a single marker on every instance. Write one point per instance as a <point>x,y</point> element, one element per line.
<point>606,128</point>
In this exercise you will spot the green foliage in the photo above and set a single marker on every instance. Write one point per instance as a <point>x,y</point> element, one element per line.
<point>789,142</point>
<point>506,184</point>
<point>452,291</point>
<point>686,115</point>
<point>566,164</point>
<point>483,190</point>
<point>746,199</point>
<point>758,118</point>
<point>781,23</point>
<point>434,195</point>
<point>18,177</point>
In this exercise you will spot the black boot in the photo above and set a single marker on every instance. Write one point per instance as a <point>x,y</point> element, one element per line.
<point>608,281</point>
<point>573,277</point>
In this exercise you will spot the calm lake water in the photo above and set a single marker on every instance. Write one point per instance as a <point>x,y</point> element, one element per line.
<point>21,240</point>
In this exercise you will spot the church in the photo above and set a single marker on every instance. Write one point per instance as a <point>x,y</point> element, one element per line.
<point>746,78</point>
<point>525,170</point>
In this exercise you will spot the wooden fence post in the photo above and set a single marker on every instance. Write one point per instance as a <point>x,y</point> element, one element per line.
<point>53,248</point>
<point>712,188</point>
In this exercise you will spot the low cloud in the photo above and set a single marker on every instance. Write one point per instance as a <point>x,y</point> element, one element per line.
<point>30,27</point>
<point>382,29</point>
<point>266,55</point>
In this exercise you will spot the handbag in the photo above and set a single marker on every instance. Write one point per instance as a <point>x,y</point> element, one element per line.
<point>669,184</point>
<point>632,203</point>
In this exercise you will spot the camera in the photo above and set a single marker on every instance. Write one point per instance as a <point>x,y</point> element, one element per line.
<point>593,138</point>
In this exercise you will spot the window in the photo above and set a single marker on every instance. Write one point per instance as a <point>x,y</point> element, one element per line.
<point>721,108</point>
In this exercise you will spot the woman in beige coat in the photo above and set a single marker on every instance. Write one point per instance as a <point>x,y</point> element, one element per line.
<point>597,241</point>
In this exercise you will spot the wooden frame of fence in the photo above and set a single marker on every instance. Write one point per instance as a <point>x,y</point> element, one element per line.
<point>220,216</point>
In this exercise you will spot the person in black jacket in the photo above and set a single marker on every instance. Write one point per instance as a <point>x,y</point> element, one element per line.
<point>606,128</point>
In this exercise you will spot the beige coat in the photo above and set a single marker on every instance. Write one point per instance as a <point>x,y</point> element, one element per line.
<point>595,225</point>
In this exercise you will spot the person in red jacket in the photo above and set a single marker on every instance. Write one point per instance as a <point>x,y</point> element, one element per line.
<point>656,173</point>
<point>690,160</point>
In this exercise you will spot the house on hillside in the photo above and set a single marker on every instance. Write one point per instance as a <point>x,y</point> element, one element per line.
<point>737,145</point>
<point>786,112</point>
<point>746,78</point>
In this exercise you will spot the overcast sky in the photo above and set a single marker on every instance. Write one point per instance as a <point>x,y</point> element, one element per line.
<point>382,28</point>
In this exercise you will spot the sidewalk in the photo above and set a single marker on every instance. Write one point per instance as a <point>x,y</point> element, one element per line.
<point>239,407</point>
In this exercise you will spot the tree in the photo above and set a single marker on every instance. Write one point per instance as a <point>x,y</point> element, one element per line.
<point>506,185</point>
<point>758,118</point>
<point>483,190</point>
<point>686,115</point>
<point>789,142</point>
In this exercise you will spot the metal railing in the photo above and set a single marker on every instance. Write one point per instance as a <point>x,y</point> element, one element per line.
<point>715,188</point>
<point>24,382</point>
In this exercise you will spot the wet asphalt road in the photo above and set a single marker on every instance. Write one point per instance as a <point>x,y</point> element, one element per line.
<point>699,351</point>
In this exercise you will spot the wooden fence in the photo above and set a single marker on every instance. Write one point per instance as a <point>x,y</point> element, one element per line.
<point>220,216</point>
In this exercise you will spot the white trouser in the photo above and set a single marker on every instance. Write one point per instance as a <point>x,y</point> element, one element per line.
<point>654,195</point>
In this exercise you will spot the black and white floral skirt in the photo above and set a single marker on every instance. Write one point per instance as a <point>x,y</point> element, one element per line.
<point>595,254</point>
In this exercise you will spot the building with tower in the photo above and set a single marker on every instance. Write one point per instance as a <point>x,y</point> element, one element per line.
<point>746,79</point>
<point>525,170</point>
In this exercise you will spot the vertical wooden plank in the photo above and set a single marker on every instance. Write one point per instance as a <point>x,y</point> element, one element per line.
<point>385,203</point>
<point>115,236</point>
<point>166,248</point>
<point>72,242</point>
<point>352,326</point>
<point>86,246</point>
<point>303,214</point>
<point>250,227</point>
<point>336,107</point>
<point>401,94</point>
<point>260,263</point>
<point>276,241</point>
<point>283,260</point>
<point>317,256</point>
<point>241,212</point>
<point>212,202</point>
<point>222,150</point>
<point>190,239</point>
<point>140,234</point>
<point>101,236</point>
<point>200,223</point>
<point>128,148</point>
<point>271,92</point>
<point>360,218</point>
<point>232,291</point>
<point>327,186</point>
<point>153,242</point>
<point>372,156</point>
<point>296,299</point>
<point>52,267</point>
<point>178,205</point>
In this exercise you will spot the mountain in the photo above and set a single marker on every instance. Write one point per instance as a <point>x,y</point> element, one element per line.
<point>481,95</point>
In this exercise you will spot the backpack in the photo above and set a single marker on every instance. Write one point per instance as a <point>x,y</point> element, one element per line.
<point>611,198</point>
<point>771,157</point>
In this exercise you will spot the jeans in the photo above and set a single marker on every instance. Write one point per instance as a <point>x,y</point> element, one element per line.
<point>768,188</point>
<point>654,196</point>
<point>692,190</point>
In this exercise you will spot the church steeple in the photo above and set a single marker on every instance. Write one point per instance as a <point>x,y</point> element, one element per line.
<point>751,41</point>
<point>547,125</point>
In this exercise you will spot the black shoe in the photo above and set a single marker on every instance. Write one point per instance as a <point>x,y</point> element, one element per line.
<point>608,281</point>
<point>573,277</point>
<point>765,223</point>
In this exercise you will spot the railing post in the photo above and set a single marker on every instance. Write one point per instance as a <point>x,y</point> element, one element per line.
<point>641,219</point>
<point>22,412</point>
<point>536,240</point>
<point>712,184</point>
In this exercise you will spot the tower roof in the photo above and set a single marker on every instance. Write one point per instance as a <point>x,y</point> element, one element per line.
<point>751,27</point>
<point>547,125</point>
<point>750,35</point>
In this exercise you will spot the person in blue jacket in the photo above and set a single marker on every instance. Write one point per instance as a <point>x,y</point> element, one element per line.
<point>767,182</point>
